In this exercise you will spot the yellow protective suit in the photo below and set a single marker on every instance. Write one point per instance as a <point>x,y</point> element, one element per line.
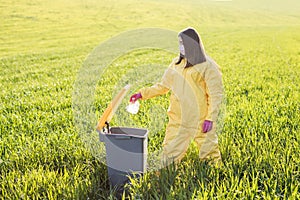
<point>196,95</point>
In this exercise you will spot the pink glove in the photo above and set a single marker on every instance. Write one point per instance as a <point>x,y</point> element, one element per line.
<point>207,126</point>
<point>135,97</point>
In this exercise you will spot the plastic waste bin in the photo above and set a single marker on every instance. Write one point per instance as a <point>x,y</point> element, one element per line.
<point>126,148</point>
<point>126,153</point>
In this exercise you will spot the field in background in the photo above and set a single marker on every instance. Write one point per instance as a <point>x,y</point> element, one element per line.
<point>43,44</point>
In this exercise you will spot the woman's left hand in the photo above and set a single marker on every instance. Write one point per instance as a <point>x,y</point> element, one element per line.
<point>207,126</point>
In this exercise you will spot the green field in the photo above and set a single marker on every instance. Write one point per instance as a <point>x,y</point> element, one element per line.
<point>44,44</point>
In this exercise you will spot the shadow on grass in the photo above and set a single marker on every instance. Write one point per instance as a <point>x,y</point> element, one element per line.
<point>98,186</point>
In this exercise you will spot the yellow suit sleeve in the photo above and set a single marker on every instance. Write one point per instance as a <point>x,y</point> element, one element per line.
<point>214,88</point>
<point>153,91</point>
<point>159,88</point>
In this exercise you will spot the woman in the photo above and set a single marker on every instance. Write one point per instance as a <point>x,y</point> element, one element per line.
<point>196,89</point>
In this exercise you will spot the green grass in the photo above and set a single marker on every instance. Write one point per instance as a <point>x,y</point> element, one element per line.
<point>44,44</point>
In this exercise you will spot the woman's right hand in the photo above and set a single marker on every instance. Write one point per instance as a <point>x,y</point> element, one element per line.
<point>135,97</point>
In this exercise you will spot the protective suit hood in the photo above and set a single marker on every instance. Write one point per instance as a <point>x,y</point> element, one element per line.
<point>194,50</point>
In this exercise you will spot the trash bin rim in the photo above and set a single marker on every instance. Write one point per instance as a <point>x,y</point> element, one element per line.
<point>131,135</point>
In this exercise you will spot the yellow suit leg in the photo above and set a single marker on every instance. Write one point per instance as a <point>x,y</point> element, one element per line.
<point>208,145</point>
<point>175,144</point>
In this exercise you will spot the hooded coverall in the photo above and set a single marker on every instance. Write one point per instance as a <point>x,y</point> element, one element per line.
<point>195,82</point>
<point>196,95</point>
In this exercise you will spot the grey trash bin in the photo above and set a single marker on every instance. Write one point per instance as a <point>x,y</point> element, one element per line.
<point>126,153</point>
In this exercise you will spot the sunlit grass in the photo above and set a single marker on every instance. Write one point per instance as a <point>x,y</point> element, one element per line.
<point>44,44</point>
